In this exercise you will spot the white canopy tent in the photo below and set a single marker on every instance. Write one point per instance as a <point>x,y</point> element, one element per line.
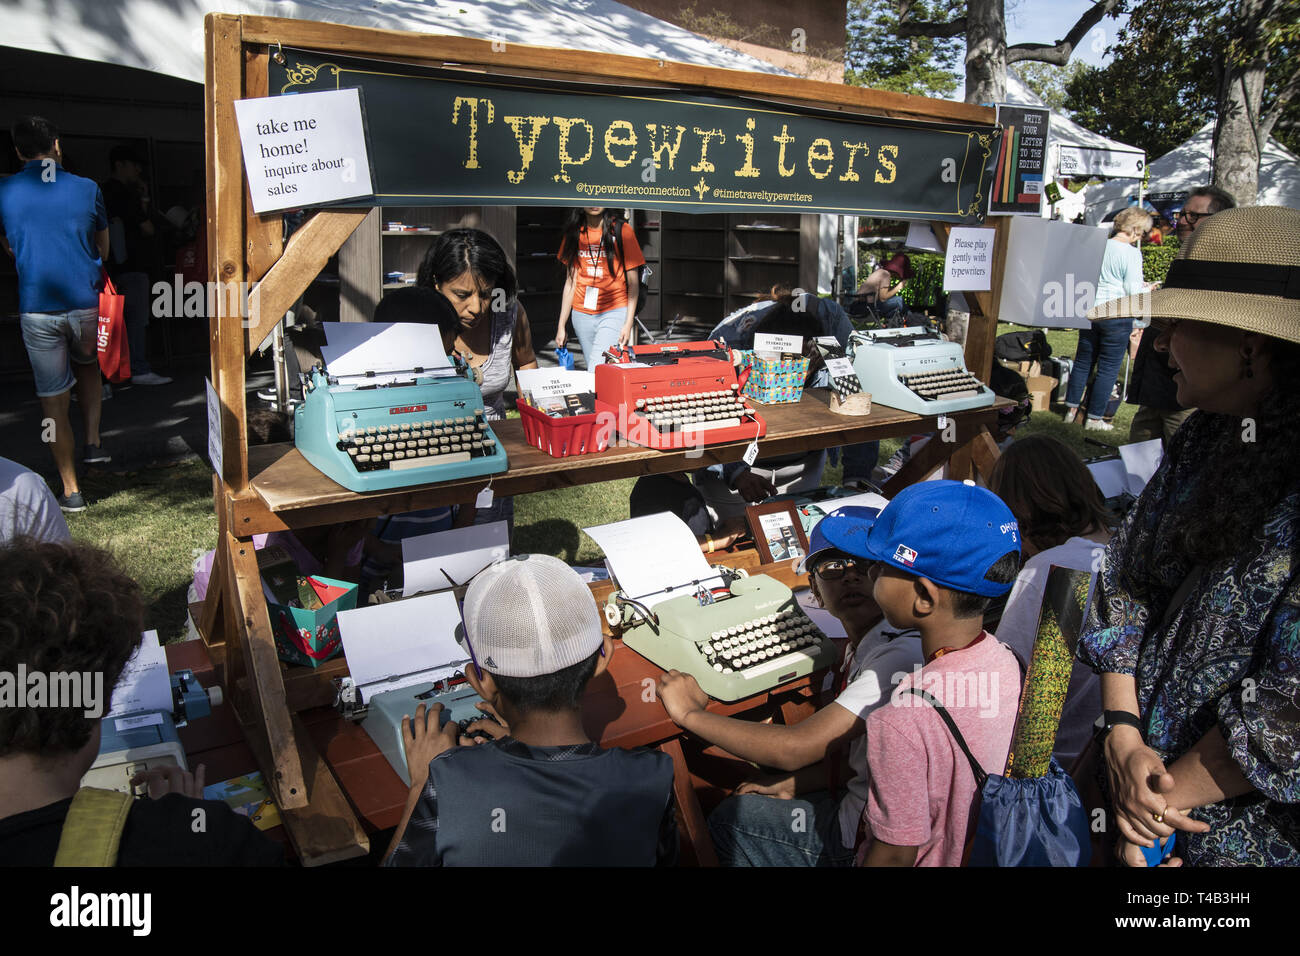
<point>1191,165</point>
<point>166,36</point>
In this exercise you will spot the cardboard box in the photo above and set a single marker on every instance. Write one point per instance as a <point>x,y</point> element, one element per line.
<point>1041,388</point>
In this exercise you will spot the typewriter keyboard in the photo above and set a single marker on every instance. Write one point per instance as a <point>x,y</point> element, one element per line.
<point>416,444</point>
<point>761,645</point>
<point>694,411</point>
<point>946,384</point>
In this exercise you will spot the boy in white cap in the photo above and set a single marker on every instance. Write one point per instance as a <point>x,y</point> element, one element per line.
<point>543,793</point>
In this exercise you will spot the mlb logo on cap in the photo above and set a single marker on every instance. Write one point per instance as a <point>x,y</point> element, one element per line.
<point>905,554</point>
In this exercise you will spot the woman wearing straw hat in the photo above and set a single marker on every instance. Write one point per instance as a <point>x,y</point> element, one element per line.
<point>1195,627</point>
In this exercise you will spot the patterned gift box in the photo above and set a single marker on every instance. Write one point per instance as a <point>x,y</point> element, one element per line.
<point>773,381</point>
<point>308,637</point>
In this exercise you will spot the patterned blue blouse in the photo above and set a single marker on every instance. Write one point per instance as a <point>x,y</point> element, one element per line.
<point>1230,655</point>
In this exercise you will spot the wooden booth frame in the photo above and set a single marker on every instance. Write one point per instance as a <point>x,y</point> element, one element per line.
<point>271,488</point>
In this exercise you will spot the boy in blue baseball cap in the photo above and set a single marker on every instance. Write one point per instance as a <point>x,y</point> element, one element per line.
<point>944,549</point>
<point>809,813</point>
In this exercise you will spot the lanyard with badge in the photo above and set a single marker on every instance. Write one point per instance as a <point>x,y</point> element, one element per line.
<point>591,294</point>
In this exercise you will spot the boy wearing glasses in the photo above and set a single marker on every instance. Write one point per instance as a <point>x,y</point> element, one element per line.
<point>541,793</point>
<point>808,815</point>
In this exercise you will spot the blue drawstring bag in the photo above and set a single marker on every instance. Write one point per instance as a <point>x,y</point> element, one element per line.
<point>1032,821</point>
<point>565,358</point>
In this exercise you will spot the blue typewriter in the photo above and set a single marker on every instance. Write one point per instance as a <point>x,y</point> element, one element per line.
<point>916,371</point>
<point>372,431</point>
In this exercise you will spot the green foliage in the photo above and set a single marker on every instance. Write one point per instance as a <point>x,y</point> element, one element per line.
<point>1156,259</point>
<point>1049,81</point>
<point>924,288</point>
<point>876,56</point>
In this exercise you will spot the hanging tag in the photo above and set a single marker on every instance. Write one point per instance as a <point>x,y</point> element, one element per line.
<point>589,297</point>
<point>484,499</point>
<point>942,422</point>
<point>751,453</point>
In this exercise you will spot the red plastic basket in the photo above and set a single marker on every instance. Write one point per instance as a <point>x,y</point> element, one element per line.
<point>562,437</point>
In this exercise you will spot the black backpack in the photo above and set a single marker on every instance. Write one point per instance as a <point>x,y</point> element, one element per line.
<point>1028,346</point>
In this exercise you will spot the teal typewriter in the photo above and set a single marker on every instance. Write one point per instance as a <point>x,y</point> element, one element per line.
<point>429,426</point>
<point>737,640</point>
<point>915,370</point>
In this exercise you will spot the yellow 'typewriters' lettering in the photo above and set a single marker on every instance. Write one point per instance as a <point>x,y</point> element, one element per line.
<point>627,139</point>
<point>885,163</point>
<point>472,103</point>
<point>527,144</point>
<point>658,149</point>
<point>820,152</point>
<point>748,171</point>
<point>850,174</point>
<point>706,135</point>
<point>566,124</point>
<point>783,140</point>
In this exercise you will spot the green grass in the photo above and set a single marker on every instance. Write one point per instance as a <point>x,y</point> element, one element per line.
<point>155,521</point>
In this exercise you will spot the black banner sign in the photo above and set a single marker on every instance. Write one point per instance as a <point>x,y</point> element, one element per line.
<point>438,138</point>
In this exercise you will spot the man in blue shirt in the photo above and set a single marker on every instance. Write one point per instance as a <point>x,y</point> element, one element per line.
<point>54,226</point>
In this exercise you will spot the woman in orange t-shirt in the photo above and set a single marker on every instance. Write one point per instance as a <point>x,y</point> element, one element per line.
<point>601,256</point>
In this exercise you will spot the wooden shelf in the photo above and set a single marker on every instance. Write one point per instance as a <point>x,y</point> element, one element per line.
<point>782,260</point>
<point>286,491</point>
<point>695,295</point>
<point>774,230</point>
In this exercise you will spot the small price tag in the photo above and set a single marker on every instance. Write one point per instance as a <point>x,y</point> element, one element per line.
<point>827,340</point>
<point>751,453</point>
<point>484,499</point>
<point>942,422</point>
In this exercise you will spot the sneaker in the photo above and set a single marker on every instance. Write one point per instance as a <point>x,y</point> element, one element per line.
<point>72,503</point>
<point>1098,425</point>
<point>150,378</point>
<point>94,455</point>
<point>1071,414</point>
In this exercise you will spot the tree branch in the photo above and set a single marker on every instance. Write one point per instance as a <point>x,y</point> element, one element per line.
<point>1280,103</point>
<point>907,27</point>
<point>1060,53</point>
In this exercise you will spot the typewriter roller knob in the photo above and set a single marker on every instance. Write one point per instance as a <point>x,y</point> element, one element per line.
<point>613,615</point>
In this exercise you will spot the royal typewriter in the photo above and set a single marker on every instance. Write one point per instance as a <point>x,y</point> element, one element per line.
<point>914,370</point>
<point>675,396</point>
<point>377,418</point>
<point>737,638</point>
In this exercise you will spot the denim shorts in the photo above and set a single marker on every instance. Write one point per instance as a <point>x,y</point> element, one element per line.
<point>54,341</point>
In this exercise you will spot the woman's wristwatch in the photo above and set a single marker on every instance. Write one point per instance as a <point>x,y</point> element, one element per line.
<point>1110,719</point>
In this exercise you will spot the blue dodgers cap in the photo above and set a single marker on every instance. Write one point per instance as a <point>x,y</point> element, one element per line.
<point>843,526</point>
<point>951,532</point>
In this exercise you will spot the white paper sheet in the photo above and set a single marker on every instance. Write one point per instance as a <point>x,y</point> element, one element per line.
<point>389,349</point>
<point>550,382</point>
<point>402,639</point>
<point>968,263</point>
<point>867,499</point>
<point>1141,459</point>
<point>651,554</point>
<point>921,236</point>
<point>145,683</point>
<point>461,552</point>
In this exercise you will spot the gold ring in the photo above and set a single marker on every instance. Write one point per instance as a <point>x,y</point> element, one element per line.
<point>1158,817</point>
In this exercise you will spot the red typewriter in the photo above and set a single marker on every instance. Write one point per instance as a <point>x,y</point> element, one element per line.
<point>679,395</point>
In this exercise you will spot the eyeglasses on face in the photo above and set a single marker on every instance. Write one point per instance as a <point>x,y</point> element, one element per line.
<point>1193,217</point>
<point>832,569</point>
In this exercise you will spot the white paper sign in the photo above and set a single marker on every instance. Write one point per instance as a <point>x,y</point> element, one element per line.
<point>554,382</point>
<point>1050,277</point>
<point>145,683</point>
<point>461,552</point>
<point>839,367</point>
<point>766,342</point>
<point>133,723</point>
<point>214,427</point>
<point>968,264</point>
<point>304,149</point>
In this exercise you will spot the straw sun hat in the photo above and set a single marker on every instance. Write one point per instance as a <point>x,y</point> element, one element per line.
<point>1240,268</point>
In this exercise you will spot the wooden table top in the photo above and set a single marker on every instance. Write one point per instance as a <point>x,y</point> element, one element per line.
<point>287,491</point>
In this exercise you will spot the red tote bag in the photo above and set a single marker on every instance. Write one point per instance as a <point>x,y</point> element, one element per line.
<point>114,350</point>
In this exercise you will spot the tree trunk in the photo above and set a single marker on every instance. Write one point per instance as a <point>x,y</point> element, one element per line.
<point>986,51</point>
<point>1236,131</point>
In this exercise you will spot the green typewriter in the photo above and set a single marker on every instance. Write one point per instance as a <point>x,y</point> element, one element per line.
<point>742,638</point>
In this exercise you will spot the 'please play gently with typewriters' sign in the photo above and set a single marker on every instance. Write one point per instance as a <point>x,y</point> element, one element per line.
<point>438,138</point>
